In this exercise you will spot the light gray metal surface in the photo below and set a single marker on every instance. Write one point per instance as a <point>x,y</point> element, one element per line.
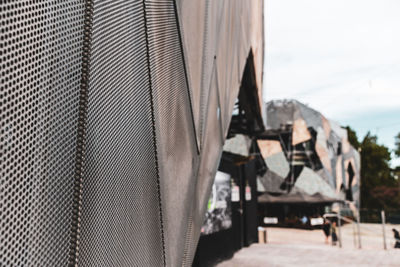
<point>120,221</point>
<point>41,57</point>
<point>113,118</point>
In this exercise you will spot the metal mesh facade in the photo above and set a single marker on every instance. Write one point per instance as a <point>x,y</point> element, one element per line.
<point>41,56</point>
<point>120,207</point>
<point>175,134</point>
<point>106,156</point>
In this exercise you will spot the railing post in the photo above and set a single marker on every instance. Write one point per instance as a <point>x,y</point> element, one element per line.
<point>354,235</point>
<point>339,226</point>
<point>383,228</point>
<point>358,228</point>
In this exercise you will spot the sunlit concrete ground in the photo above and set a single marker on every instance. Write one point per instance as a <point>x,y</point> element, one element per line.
<point>293,247</point>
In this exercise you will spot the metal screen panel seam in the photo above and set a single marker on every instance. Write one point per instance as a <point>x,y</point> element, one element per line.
<point>153,125</point>
<point>82,119</point>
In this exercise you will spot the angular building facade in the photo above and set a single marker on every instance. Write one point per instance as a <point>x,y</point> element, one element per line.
<point>308,158</point>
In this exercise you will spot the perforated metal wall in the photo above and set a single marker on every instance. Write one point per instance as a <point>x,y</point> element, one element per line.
<point>101,161</point>
<point>41,57</point>
<point>176,141</point>
<point>120,223</point>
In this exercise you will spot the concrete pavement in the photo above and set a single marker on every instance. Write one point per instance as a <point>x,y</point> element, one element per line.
<point>294,247</point>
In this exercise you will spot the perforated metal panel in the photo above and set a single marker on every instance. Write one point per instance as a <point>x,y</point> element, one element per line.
<point>121,223</point>
<point>176,141</point>
<point>41,51</point>
<point>99,157</point>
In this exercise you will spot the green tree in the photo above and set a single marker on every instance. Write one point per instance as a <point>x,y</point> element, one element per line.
<point>352,136</point>
<point>377,180</point>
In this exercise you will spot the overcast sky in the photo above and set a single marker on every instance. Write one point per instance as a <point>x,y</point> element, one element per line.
<point>341,57</point>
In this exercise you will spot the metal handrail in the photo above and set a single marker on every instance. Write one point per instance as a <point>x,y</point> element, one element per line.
<point>357,223</point>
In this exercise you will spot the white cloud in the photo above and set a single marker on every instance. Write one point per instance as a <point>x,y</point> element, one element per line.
<point>340,56</point>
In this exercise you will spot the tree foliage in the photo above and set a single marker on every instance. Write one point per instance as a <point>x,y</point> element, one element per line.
<point>352,136</point>
<point>397,143</point>
<point>379,188</point>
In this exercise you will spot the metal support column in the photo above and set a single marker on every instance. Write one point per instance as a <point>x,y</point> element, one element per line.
<point>339,228</point>
<point>358,229</point>
<point>383,228</point>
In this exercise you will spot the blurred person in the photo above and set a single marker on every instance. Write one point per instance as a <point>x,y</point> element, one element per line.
<point>397,238</point>
<point>326,227</point>
<point>333,233</point>
<point>304,219</point>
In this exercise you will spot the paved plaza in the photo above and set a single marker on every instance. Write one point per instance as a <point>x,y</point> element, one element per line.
<point>294,247</point>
